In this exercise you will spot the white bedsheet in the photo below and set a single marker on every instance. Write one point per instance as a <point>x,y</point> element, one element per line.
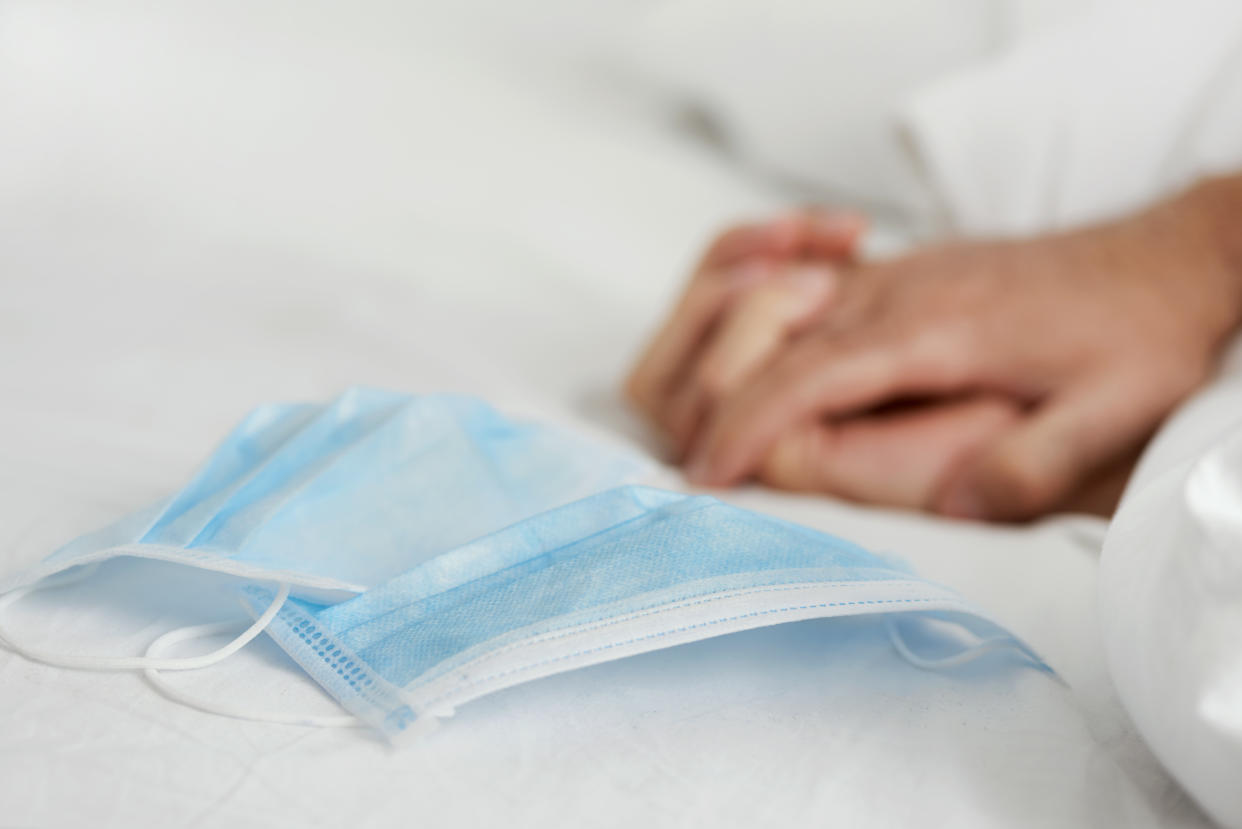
<point>192,223</point>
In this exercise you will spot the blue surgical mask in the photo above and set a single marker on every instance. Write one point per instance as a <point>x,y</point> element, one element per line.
<point>333,499</point>
<point>630,570</point>
<point>425,551</point>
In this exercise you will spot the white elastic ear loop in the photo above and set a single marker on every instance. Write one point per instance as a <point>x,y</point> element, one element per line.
<point>87,662</point>
<point>176,695</point>
<point>968,653</point>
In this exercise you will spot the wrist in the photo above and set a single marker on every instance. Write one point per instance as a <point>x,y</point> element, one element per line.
<point>1213,209</point>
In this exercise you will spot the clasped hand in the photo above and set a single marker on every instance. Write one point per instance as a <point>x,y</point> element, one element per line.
<point>990,380</point>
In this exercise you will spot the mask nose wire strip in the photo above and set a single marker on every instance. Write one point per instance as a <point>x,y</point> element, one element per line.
<point>88,662</point>
<point>177,635</point>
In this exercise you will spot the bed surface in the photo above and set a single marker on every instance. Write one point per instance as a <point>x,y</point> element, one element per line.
<point>190,227</point>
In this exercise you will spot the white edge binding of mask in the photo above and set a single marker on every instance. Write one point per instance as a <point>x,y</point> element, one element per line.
<point>403,713</point>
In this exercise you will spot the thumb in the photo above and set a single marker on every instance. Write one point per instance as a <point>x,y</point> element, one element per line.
<point>1035,466</point>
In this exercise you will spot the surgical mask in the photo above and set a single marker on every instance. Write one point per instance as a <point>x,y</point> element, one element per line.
<point>329,500</point>
<point>333,499</point>
<point>630,570</point>
<point>475,562</point>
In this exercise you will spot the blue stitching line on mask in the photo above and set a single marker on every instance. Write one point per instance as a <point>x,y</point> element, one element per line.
<point>660,634</point>
<point>679,602</point>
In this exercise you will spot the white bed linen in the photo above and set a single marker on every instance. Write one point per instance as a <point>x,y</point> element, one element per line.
<point>191,224</point>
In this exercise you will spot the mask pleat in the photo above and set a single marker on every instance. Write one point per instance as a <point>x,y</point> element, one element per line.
<point>329,434</point>
<point>235,462</point>
<point>686,542</point>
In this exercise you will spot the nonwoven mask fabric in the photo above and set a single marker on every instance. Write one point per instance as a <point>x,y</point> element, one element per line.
<point>335,498</point>
<point>626,571</point>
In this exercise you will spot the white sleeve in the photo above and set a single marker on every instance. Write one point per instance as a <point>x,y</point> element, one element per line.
<point>1171,598</point>
<point>1104,113</point>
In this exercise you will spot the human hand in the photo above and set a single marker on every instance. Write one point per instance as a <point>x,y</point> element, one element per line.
<point>758,287</point>
<point>1047,362</point>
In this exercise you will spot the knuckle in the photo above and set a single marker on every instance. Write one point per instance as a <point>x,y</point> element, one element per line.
<point>798,461</point>
<point>788,373</point>
<point>939,354</point>
<point>782,467</point>
<point>1017,487</point>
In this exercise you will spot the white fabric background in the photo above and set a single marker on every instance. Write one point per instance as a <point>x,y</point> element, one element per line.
<point>979,117</point>
<point>1171,594</point>
<point>207,207</point>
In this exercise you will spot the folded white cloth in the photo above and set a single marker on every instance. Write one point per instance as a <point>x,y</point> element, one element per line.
<point>1171,597</point>
<point>1119,105</point>
<point>981,117</point>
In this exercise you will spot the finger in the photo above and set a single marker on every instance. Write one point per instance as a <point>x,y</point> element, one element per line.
<point>667,356</point>
<point>750,332</point>
<point>1053,452</point>
<point>737,259</point>
<point>825,377</point>
<point>1101,493</point>
<point>897,459</point>
<point>813,232</point>
<point>744,242</point>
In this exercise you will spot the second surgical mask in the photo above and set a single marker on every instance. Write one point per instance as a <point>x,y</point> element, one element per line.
<point>627,571</point>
